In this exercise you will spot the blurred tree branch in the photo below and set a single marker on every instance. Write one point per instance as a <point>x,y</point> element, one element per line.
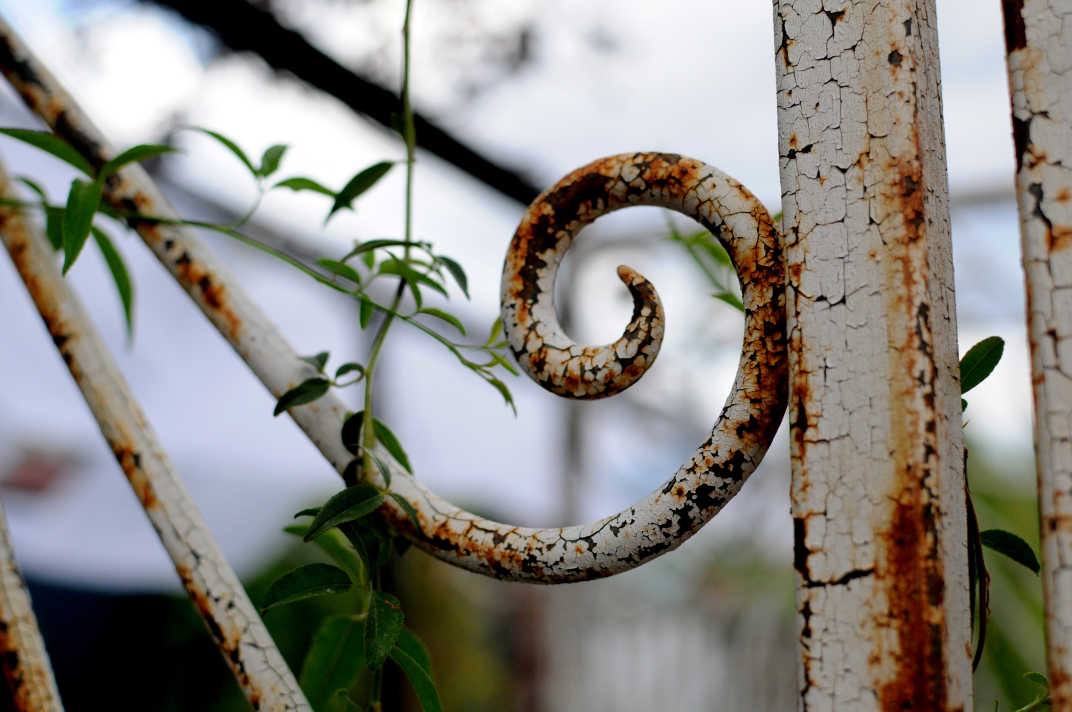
<point>243,27</point>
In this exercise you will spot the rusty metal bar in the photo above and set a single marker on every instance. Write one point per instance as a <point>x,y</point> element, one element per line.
<point>22,649</point>
<point>209,581</point>
<point>657,524</point>
<point>1038,38</point>
<point>878,498</point>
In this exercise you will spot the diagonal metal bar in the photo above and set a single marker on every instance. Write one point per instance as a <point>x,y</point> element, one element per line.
<point>554,555</point>
<point>878,496</point>
<point>22,649</point>
<point>209,581</point>
<point>1038,36</point>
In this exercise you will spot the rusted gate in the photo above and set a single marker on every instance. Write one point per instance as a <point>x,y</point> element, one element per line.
<point>850,318</point>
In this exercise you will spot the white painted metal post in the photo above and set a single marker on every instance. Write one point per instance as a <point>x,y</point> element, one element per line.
<point>1038,37</point>
<point>878,497</point>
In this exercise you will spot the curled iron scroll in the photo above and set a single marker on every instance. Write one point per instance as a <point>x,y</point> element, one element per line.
<point>744,429</point>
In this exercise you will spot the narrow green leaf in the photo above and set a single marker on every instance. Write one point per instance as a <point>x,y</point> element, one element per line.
<point>382,628</point>
<point>385,471</point>
<point>1038,678</point>
<point>456,272</point>
<point>358,185</point>
<point>420,678</point>
<point>444,316</point>
<point>140,152</point>
<point>499,359</point>
<point>963,405</point>
<point>53,144</point>
<point>365,311</point>
<point>346,506</point>
<point>496,329</point>
<point>305,392</point>
<point>230,145</point>
<point>408,508</point>
<point>351,432</point>
<point>34,186</point>
<point>730,298</point>
<point>504,391</point>
<point>82,204</point>
<point>334,660</point>
<point>54,226</point>
<point>120,275</point>
<point>391,443</point>
<point>363,247</point>
<point>369,258</point>
<point>410,644</point>
<point>1011,546</point>
<point>979,362</point>
<point>306,582</point>
<point>270,159</point>
<point>335,544</point>
<point>714,249</point>
<point>340,268</point>
<point>301,183</point>
<point>349,368</point>
<point>317,361</point>
<point>308,512</point>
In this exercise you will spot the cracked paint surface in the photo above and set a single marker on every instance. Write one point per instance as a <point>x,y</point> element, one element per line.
<point>1038,39</point>
<point>209,581</point>
<point>878,491</point>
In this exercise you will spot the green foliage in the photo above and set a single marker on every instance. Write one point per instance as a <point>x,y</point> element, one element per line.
<point>1011,546</point>
<point>711,257</point>
<point>979,362</point>
<point>306,582</point>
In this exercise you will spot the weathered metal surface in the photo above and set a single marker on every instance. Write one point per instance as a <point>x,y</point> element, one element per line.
<point>878,493</point>
<point>658,524</point>
<point>1039,43</point>
<point>209,581</point>
<point>30,683</point>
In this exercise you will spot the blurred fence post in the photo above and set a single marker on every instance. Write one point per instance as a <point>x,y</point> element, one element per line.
<point>1038,38</point>
<point>878,497</point>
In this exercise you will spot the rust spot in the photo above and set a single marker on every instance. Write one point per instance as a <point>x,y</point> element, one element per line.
<point>1060,237</point>
<point>793,141</point>
<point>1063,195</point>
<point>1015,30</point>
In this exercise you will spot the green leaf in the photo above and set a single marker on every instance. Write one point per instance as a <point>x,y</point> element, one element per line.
<point>730,298</point>
<point>230,145</point>
<point>358,185</point>
<point>500,360</point>
<point>300,183</point>
<point>349,368</point>
<point>308,512</point>
<point>306,582</point>
<point>346,506</point>
<point>54,226</point>
<point>120,275</point>
<point>335,544</point>
<point>335,659</point>
<point>456,272</point>
<point>369,258</point>
<point>364,247</point>
<point>371,542</point>
<point>140,152</point>
<point>365,311</point>
<point>351,432</point>
<point>53,144</point>
<point>979,362</point>
<point>382,627</point>
<point>385,471</point>
<point>444,316</point>
<point>408,508</point>
<point>82,204</point>
<point>305,392</point>
<point>340,268</point>
<point>410,644</point>
<point>496,329</point>
<point>420,678</point>
<point>1038,678</point>
<point>504,391</point>
<point>318,361</point>
<point>1011,546</point>
<point>963,405</point>
<point>270,159</point>
<point>391,443</point>
<point>411,277</point>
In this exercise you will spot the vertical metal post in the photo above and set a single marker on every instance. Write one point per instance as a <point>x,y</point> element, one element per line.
<point>1038,37</point>
<point>878,496</point>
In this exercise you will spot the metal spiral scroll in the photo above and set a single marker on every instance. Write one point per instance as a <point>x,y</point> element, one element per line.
<point>740,437</point>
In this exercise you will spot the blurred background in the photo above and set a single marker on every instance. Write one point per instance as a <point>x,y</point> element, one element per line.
<point>514,95</point>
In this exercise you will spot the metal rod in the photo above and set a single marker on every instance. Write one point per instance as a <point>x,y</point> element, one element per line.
<point>208,579</point>
<point>878,498</point>
<point>22,649</point>
<point>1038,36</point>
